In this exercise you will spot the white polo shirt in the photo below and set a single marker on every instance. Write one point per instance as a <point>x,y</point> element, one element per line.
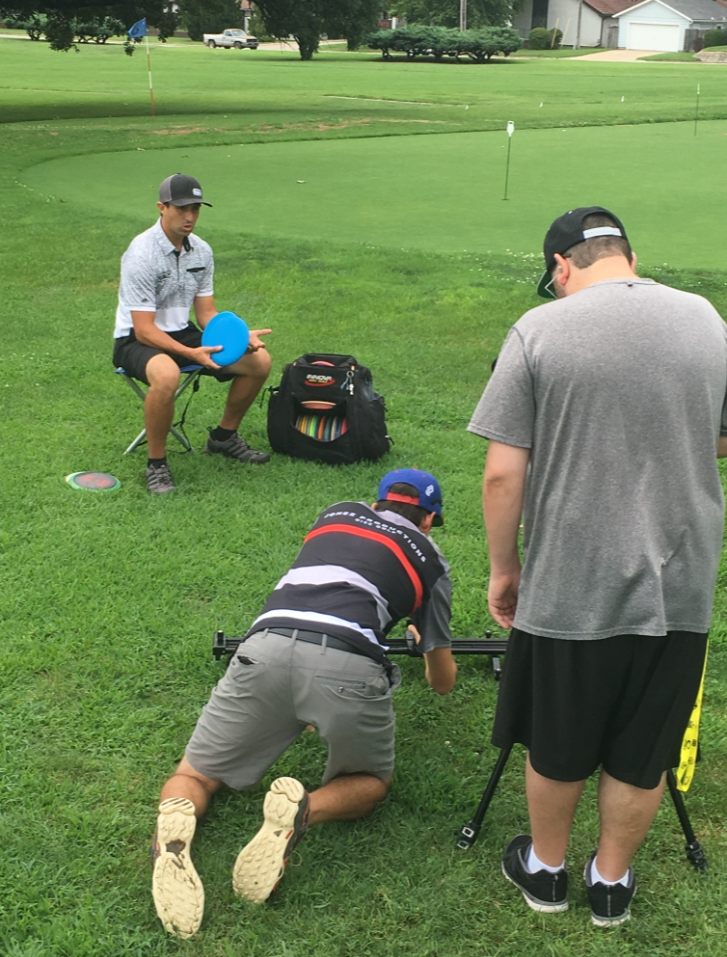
<point>156,277</point>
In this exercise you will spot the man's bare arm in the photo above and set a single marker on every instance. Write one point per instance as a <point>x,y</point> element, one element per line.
<point>722,447</point>
<point>503,491</point>
<point>440,668</point>
<point>148,333</point>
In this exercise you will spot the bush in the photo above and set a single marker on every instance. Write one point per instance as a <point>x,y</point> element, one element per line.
<point>34,26</point>
<point>542,39</point>
<point>98,29</point>
<point>538,38</point>
<point>715,38</point>
<point>483,44</point>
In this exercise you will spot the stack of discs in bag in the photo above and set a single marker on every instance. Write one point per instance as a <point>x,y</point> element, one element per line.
<point>324,428</point>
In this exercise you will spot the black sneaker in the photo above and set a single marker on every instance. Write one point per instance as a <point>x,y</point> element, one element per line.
<point>610,903</point>
<point>543,891</point>
<point>236,448</point>
<point>261,863</point>
<point>159,479</point>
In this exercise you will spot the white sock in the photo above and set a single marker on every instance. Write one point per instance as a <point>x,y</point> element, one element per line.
<point>597,879</point>
<point>533,864</point>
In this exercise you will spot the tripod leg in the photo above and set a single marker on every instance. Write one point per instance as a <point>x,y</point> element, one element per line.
<point>469,833</point>
<point>695,851</point>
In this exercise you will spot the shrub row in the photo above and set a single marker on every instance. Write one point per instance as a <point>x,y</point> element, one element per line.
<point>438,42</point>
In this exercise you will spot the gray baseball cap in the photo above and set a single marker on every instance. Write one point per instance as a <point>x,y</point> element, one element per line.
<point>181,190</point>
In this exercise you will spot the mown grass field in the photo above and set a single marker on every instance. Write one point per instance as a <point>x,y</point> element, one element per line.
<point>110,602</point>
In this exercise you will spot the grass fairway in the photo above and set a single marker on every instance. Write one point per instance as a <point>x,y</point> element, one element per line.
<point>266,92</point>
<point>110,602</point>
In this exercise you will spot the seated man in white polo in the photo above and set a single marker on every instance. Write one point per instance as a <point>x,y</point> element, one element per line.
<point>164,273</point>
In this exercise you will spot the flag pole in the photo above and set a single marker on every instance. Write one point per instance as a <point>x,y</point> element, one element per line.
<point>696,111</point>
<point>148,66</point>
<point>510,131</point>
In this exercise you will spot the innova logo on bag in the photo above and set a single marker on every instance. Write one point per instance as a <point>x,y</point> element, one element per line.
<point>312,379</point>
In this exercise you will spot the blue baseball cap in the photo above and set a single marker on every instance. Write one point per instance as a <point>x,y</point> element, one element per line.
<point>430,494</point>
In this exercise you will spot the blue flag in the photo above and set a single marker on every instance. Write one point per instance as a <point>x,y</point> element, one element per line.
<point>138,30</point>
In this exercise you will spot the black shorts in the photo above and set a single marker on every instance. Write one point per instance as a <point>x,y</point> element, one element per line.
<point>622,703</point>
<point>133,355</point>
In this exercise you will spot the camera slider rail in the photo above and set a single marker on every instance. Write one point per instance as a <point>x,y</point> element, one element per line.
<point>494,647</point>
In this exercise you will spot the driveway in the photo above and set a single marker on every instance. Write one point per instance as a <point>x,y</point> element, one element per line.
<point>617,56</point>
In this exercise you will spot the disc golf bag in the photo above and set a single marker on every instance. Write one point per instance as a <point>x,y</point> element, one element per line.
<point>326,410</point>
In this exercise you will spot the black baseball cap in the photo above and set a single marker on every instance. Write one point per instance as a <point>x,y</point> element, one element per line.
<point>181,190</point>
<point>568,231</point>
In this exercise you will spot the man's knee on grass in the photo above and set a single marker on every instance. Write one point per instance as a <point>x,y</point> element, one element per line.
<point>186,782</point>
<point>348,797</point>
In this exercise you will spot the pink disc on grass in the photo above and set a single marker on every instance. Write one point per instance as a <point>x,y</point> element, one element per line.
<point>94,481</point>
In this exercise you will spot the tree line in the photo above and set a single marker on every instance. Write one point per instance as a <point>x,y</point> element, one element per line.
<point>64,23</point>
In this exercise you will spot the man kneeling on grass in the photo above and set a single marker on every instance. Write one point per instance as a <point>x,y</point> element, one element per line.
<point>316,655</point>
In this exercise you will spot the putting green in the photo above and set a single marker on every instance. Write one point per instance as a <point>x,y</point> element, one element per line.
<point>436,192</point>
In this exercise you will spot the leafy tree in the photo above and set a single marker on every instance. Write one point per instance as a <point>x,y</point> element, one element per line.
<point>209,16</point>
<point>62,16</point>
<point>353,20</point>
<point>302,19</point>
<point>445,13</point>
<point>306,20</point>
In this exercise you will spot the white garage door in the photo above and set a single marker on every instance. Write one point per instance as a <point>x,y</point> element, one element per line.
<point>654,36</point>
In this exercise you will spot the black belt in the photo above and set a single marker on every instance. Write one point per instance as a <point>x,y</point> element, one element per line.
<point>316,638</point>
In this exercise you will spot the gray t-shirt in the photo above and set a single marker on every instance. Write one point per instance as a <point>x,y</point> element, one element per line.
<point>619,392</point>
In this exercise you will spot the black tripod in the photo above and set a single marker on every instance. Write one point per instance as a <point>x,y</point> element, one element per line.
<point>494,648</point>
<point>469,833</point>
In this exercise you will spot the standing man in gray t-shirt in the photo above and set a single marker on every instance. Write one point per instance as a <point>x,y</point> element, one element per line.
<point>165,272</point>
<point>605,415</point>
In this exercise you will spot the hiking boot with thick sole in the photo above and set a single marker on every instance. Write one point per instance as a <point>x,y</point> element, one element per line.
<point>610,903</point>
<point>236,448</point>
<point>261,863</point>
<point>543,891</point>
<point>159,479</point>
<point>176,887</point>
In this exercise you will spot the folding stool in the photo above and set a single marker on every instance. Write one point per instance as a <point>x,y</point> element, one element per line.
<point>190,375</point>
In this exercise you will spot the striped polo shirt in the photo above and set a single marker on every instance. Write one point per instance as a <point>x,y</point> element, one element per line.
<point>157,277</point>
<point>359,572</point>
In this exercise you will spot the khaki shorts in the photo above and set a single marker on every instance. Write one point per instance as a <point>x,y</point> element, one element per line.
<point>273,688</point>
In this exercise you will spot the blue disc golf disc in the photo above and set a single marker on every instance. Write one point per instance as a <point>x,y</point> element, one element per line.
<point>229,331</point>
<point>94,481</point>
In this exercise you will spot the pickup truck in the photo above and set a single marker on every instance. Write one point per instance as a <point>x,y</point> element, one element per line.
<point>237,39</point>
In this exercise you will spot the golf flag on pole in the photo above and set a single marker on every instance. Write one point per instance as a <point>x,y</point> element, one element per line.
<point>136,33</point>
<point>138,30</point>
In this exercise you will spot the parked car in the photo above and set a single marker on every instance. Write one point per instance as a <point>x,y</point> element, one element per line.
<point>237,39</point>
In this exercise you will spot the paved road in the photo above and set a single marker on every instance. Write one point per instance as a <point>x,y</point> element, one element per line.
<point>617,56</point>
